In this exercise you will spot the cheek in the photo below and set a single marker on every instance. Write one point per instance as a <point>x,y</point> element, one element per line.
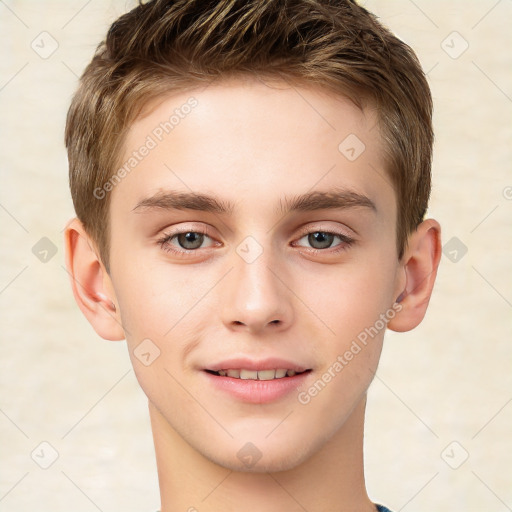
<point>356,298</point>
<point>163,313</point>
<point>153,296</point>
<point>355,308</point>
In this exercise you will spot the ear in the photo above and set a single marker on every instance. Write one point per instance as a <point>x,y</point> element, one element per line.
<point>91,284</point>
<point>420,263</point>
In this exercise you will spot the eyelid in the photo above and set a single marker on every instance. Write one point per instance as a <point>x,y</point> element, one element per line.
<point>345,233</point>
<point>188,227</point>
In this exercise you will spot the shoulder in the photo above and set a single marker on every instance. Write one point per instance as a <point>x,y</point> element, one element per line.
<point>382,508</point>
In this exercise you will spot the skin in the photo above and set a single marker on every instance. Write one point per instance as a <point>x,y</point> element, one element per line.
<point>254,145</point>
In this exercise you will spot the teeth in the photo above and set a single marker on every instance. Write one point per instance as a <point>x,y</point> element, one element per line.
<point>266,374</point>
<point>248,374</point>
<point>257,375</point>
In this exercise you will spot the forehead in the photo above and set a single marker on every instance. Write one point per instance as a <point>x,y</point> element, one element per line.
<point>250,143</point>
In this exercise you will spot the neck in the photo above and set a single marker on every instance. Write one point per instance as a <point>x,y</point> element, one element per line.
<point>332,479</point>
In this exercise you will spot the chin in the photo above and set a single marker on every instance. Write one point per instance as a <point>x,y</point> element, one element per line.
<point>267,460</point>
<point>268,466</point>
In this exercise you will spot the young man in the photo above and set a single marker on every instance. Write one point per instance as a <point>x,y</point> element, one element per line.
<point>250,180</point>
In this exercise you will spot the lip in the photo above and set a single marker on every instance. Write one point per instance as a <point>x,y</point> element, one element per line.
<point>256,391</point>
<point>254,365</point>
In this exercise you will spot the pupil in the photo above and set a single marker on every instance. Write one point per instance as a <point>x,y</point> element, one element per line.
<point>321,237</point>
<point>185,239</point>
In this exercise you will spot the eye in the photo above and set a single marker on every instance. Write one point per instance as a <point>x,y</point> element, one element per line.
<point>321,240</point>
<point>186,242</point>
<point>190,239</point>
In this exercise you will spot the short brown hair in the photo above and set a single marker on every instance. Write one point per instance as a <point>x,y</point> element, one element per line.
<point>164,46</point>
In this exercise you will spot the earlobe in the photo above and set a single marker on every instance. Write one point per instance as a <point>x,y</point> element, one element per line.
<point>421,261</point>
<point>89,282</point>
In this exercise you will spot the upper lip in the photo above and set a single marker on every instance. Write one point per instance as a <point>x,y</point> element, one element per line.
<point>272,363</point>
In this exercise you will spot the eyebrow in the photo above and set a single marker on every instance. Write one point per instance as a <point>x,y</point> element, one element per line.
<point>310,201</point>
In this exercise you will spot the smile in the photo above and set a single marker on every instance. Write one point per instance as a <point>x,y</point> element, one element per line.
<point>244,374</point>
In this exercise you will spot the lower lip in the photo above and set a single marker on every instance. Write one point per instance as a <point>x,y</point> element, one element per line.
<point>257,391</point>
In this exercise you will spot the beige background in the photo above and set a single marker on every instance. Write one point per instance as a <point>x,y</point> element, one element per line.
<point>448,381</point>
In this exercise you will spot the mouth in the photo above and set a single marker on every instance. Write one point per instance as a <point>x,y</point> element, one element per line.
<point>244,374</point>
<point>257,382</point>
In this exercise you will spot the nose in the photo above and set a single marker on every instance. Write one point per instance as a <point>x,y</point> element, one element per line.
<point>256,298</point>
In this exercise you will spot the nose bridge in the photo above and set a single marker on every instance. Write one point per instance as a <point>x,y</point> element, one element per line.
<point>256,296</point>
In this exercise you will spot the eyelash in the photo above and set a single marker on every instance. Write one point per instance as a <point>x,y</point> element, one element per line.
<point>346,242</point>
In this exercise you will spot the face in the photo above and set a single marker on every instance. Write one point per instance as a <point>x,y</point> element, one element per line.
<point>257,232</point>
